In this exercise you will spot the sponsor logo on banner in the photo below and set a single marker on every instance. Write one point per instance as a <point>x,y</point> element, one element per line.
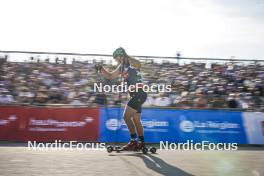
<point>4,122</point>
<point>56,125</point>
<point>187,126</point>
<point>208,126</point>
<point>115,124</point>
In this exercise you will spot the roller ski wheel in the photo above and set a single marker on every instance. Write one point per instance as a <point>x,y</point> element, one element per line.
<point>118,149</point>
<point>153,150</point>
<point>110,149</point>
<point>144,150</point>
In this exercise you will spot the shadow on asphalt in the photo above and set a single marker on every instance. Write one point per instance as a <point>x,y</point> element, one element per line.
<point>156,164</point>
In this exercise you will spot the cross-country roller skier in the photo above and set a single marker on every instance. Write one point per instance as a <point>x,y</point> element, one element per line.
<point>129,69</point>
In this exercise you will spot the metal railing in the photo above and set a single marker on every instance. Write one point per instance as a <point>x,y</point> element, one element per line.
<point>85,56</point>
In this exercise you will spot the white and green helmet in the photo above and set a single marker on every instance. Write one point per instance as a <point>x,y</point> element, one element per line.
<point>119,52</point>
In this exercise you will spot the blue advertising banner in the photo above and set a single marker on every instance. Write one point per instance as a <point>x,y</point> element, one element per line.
<point>176,126</point>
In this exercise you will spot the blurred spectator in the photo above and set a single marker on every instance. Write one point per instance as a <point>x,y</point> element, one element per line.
<point>54,96</point>
<point>25,95</point>
<point>200,101</point>
<point>81,100</point>
<point>150,101</point>
<point>232,102</point>
<point>100,99</point>
<point>6,98</point>
<point>41,96</point>
<point>162,101</point>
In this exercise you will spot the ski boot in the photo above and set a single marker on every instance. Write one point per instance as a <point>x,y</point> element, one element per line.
<point>131,146</point>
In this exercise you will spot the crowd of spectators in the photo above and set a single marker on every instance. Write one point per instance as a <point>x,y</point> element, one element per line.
<point>219,86</point>
<point>194,85</point>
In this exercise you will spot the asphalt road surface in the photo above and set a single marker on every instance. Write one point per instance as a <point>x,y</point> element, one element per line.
<point>19,160</point>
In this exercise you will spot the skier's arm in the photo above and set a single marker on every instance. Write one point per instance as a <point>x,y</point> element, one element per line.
<point>110,75</point>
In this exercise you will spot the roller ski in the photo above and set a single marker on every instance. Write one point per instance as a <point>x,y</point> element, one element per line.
<point>132,146</point>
